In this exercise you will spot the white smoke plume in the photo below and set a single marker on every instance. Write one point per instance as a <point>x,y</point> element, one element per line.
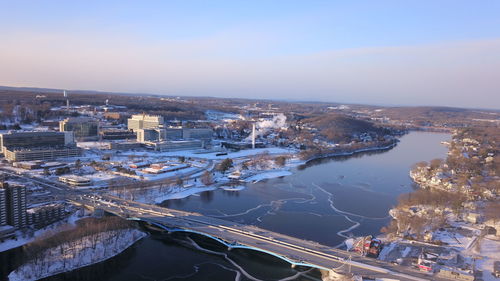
<point>261,127</point>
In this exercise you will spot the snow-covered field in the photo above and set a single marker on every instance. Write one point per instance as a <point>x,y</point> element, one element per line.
<point>76,254</point>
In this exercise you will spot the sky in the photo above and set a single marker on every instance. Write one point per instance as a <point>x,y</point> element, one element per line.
<point>412,52</point>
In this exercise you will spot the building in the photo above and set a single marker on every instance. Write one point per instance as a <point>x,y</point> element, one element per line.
<point>180,133</point>
<point>3,207</point>
<point>44,215</point>
<point>197,134</point>
<point>143,121</point>
<point>15,197</point>
<point>35,139</point>
<point>116,134</point>
<point>123,145</point>
<point>29,146</point>
<point>40,153</point>
<point>28,165</point>
<point>150,135</point>
<point>172,134</point>
<point>175,145</point>
<point>75,180</point>
<point>84,128</point>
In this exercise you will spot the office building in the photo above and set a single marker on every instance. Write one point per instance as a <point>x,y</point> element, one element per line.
<point>15,197</point>
<point>123,145</point>
<point>176,145</point>
<point>197,134</point>
<point>40,153</point>
<point>173,134</point>
<point>148,135</point>
<point>35,139</point>
<point>29,146</point>
<point>84,128</point>
<point>116,134</point>
<point>188,134</point>
<point>143,121</point>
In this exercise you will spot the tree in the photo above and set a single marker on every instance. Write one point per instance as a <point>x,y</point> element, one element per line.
<point>179,182</point>
<point>436,163</point>
<point>280,161</point>
<point>492,211</point>
<point>46,171</point>
<point>225,165</point>
<point>206,178</point>
<point>182,159</point>
<point>78,164</point>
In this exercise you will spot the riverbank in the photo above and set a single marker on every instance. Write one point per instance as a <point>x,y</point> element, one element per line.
<point>75,254</point>
<point>350,153</point>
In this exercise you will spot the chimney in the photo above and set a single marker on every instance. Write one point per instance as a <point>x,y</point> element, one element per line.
<point>253,135</point>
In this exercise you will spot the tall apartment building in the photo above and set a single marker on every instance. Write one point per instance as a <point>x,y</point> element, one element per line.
<point>3,207</point>
<point>15,196</point>
<point>84,128</point>
<point>143,121</point>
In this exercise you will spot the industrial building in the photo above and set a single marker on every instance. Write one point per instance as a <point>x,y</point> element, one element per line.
<point>84,128</point>
<point>143,121</point>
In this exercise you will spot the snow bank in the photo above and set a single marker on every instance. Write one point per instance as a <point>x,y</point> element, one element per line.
<point>77,254</point>
<point>233,188</point>
<point>183,194</point>
<point>268,175</point>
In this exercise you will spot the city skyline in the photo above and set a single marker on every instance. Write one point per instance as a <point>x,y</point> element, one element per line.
<point>425,53</point>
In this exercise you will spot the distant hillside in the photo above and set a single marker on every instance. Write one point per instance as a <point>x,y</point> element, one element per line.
<point>338,127</point>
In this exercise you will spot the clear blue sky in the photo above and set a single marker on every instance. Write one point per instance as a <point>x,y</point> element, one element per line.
<point>386,52</point>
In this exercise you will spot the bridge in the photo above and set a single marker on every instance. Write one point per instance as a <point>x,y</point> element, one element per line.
<point>233,235</point>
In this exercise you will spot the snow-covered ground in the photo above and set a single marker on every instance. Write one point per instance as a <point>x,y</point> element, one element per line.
<point>212,155</point>
<point>489,252</point>
<point>75,254</point>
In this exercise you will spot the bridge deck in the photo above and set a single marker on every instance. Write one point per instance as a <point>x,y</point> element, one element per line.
<point>235,235</point>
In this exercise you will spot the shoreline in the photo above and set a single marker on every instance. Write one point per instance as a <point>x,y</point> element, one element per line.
<point>350,153</point>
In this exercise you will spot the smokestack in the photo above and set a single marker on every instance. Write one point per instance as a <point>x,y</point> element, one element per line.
<point>67,100</point>
<point>253,135</point>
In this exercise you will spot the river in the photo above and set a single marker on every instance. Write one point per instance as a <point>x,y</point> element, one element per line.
<point>325,200</point>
